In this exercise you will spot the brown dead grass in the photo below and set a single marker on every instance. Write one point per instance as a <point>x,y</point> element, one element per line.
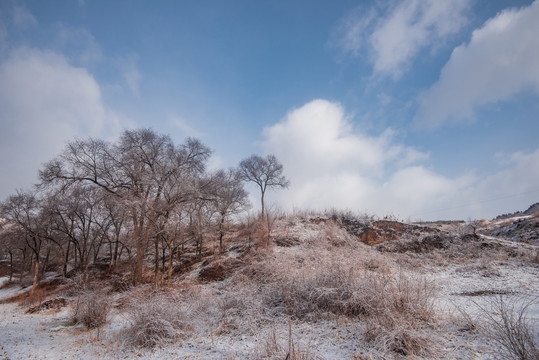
<point>290,349</point>
<point>311,270</point>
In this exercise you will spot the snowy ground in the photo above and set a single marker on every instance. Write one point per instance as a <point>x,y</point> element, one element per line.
<point>463,289</point>
<point>46,335</point>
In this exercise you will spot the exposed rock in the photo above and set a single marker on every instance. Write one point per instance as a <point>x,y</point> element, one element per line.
<point>534,209</point>
<point>49,304</point>
<point>218,270</point>
<point>420,244</point>
<point>317,220</point>
<point>520,230</point>
<point>286,241</point>
<point>213,272</point>
<point>376,232</point>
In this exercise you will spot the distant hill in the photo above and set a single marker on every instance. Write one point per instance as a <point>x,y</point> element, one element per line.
<point>531,210</point>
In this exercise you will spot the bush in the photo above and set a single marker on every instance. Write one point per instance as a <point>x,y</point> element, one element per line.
<point>273,349</point>
<point>398,310</point>
<point>91,310</point>
<point>317,296</point>
<point>154,321</point>
<point>509,326</point>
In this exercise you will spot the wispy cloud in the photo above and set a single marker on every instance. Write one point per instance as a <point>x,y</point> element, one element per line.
<point>81,47</point>
<point>130,73</point>
<point>79,43</point>
<point>185,128</point>
<point>501,60</point>
<point>23,19</point>
<point>392,35</point>
<point>3,36</point>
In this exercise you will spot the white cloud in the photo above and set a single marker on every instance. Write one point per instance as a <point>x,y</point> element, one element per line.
<point>329,162</point>
<point>44,102</point>
<point>320,136</point>
<point>395,35</point>
<point>333,165</point>
<point>501,60</point>
<point>79,45</point>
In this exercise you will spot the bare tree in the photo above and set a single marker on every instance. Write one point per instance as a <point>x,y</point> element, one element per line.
<point>230,198</point>
<point>117,219</point>
<point>474,226</point>
<point>135,170</point>
<point>265,172</point>
<point>81,217</point>
<point>23,211</point>
<point>11,242</point>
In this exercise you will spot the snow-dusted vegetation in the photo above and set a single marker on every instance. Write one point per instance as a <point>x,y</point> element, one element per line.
<point>303,286</point>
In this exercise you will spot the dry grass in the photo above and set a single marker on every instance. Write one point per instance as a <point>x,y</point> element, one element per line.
<point>155,319</point>
<point>91,309</point>
<point>305,271</point>
<point>293,350</point>
<point>327,276</point>
<point>511,328</point>
<point>396,308</point>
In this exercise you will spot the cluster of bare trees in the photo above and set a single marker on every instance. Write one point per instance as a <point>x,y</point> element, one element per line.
<point>139,199</point>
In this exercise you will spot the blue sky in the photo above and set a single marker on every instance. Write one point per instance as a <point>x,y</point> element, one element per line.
<point>418,109</point>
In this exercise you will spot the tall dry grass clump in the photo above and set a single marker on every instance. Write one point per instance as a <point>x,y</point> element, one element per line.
<point>397,309</point>
<point>155,319</point>
<point>330,275</point>
<point>315,296</point>
<point>510,326</point>
<point>91,309</point>
<point>292,350</point>
<point>401,315</point>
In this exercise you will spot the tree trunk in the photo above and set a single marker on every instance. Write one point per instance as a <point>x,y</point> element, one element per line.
<point>66,260</point>
<point>170,262</point>
<point>36,273</point>
<point>221,234</point>
<point>262,200</point>
<point>75,256</point>
<point>163,265</point>
<point>86,268</point>
<point>46,262</point>
<point>156,265</point>
<point>139,261</point>
<point>10,265</point>
<point>115,257</point>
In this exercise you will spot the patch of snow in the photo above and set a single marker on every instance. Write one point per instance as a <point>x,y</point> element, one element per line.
<point>510,220</point>
<point>12,290</point>
<point>4,280</point>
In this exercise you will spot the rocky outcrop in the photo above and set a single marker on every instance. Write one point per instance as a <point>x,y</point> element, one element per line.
<point>520,230</point>
<point>534,209</point>
<point>379,231</point>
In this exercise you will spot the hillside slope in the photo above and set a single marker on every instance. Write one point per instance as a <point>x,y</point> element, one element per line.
<point>311,286</point>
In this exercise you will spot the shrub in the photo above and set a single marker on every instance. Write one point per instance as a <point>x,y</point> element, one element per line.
<point>401,315</point>
<point>509,326</point>
<point>273,349</point>
<point>154,321</point>
<point>398,310</point>
<point>91,310</point>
